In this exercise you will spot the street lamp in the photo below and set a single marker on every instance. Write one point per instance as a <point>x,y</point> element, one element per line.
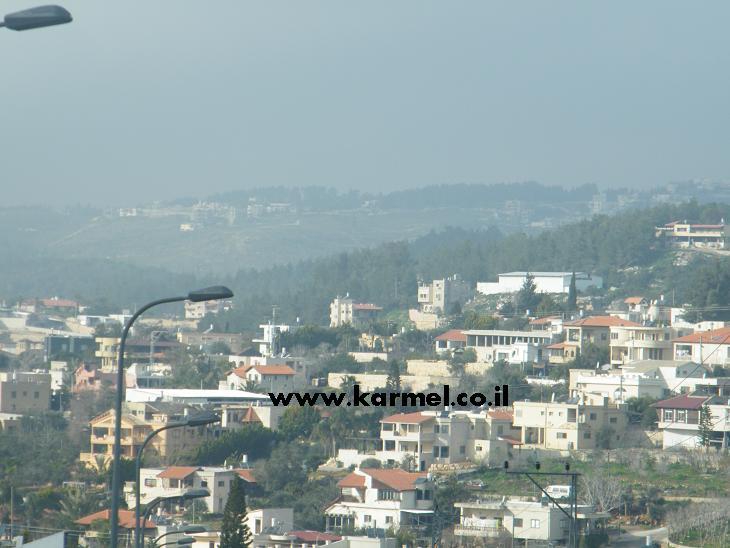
<point>186,530</point>
<point>35,18</point>
<point>207,294</point>
<point>199,420</point>
<point>187,495</point>
<point>179,542</point>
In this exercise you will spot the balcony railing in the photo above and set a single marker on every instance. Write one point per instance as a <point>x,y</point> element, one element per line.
<point>478,531</point>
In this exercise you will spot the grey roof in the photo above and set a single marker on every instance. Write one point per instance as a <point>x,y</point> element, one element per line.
<point>644,366</point>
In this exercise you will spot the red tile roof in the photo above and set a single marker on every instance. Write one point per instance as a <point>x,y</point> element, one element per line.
<point>634,300</point>
<point>251,416</point>
<point>716,336</point>
<point>314,536</point>
<point>560,345</point>
<point>178,472</point>
<point>264,370</point>
<point>544,320</point>
<point>683,401</point>
<point>126,519</point>
<point>352,480</point>
<point>500,414</point>
<point>511,441</point>
<point>452,335</point>
<point>59,303</point>
<point>245,475</point>
<point>407,418</point>
<point>394,478</point>
<point>602,321</point>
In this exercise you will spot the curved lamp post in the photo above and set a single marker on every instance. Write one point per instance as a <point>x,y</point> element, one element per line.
<point>200,420</point>
<point>214,293</point>
<point>186,530</point>
<point>187,495</point>
<point>35,18</point>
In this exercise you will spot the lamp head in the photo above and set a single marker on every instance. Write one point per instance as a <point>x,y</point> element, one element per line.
<point>34,18</point>
<point>213,293</point>
<point>195,494</point>
<point>201,420</point>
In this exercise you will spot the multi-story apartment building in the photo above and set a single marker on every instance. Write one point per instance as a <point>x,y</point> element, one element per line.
<point>446,437</point>
<point>438,296</point>
<point>711,348</point>
<point>684,234</point>
<point>568,426</point>
<point>595,330</point>
<point>630,343</point>
<point>140,350</point>
<point>138,420</point>
<point>176,480</point>
<point>25,393</point>
<point>381,499</point>
<point>344,311</point>
<point>519,519</point>
<point>514,347</point>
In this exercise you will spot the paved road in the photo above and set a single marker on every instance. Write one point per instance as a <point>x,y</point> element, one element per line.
<point>634,536</point>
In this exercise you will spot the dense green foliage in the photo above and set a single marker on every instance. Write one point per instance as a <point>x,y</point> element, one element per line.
<point>254,441</point>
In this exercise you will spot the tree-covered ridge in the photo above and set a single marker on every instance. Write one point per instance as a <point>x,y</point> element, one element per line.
<point>610,246</point>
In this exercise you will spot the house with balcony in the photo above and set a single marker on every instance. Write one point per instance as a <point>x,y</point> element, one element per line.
<point>521,519</point>
<point>562,352</point>
<point>594,330</point>
<point>638,343</point>
<point>138,420</point>
<point>446,437</point>
<point>176,480</point>
<point>711,348</point>
<point>381,499</point>
<point>270,378</point>
<point>573,425</point>
<point>678,418</point>
<point>685,234</point>
<point>514,347</point>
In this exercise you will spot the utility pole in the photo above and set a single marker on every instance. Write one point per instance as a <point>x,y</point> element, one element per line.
<point>572,512</point>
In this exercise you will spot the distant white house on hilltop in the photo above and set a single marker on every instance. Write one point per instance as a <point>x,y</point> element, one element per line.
<point>545,282</point>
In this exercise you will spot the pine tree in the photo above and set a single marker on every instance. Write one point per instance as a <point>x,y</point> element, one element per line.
<point>705,426</point>
<point>527,297</point>
<point>234,530</point>
<point>572,303</point>
<point>392,384</point>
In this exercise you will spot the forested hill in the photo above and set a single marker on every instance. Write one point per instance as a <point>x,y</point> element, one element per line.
<point>619,248</point>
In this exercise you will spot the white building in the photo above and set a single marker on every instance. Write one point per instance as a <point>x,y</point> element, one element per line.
<point>545,282</point>
<point>710,348</point>
<point>652,378</point>
<point>198,310</point>
<point>679,417</point>
<point>514,347</point>
<point>270,378</point>
<point>175,480</point>
<point>381,499</point>
<point>344,311</point>
<point>520,518</point>
<point>269,341</point>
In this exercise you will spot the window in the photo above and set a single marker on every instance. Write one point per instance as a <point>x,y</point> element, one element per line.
<point>613,420</point>
<point>561,435</point>
<point>150,482</point>
<point>389,445</point>
<point>500,429</point>
<point>444,428</point>
<point>592,416</point>
<point>462,450</point>
<point>586,435</point>
<point>681,415</point>
<point>221,483</point>
<point>36,395</point>
<point>478,448</point>
<point>387,494</point>
<point>204,483</point>
<point>668,417</point>
<point>367,518</point>
<point>517,522</point>
<point>387,427</point>
<point>388,519</point>
<point>436,428</point>
<point>535,523</point>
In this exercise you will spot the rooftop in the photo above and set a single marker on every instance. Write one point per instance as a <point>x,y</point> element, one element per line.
<point>407,418</point>
<point>715,336</point>
<point>602,321</point>
<point>452,335</point>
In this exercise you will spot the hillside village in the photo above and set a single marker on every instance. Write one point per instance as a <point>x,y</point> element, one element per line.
<point>610,391</point>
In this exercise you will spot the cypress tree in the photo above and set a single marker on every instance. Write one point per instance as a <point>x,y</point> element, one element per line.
<point>234,530</point>
<point>572,303</point>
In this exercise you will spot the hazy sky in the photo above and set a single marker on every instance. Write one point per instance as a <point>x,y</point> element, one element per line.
<point>142,100</point>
